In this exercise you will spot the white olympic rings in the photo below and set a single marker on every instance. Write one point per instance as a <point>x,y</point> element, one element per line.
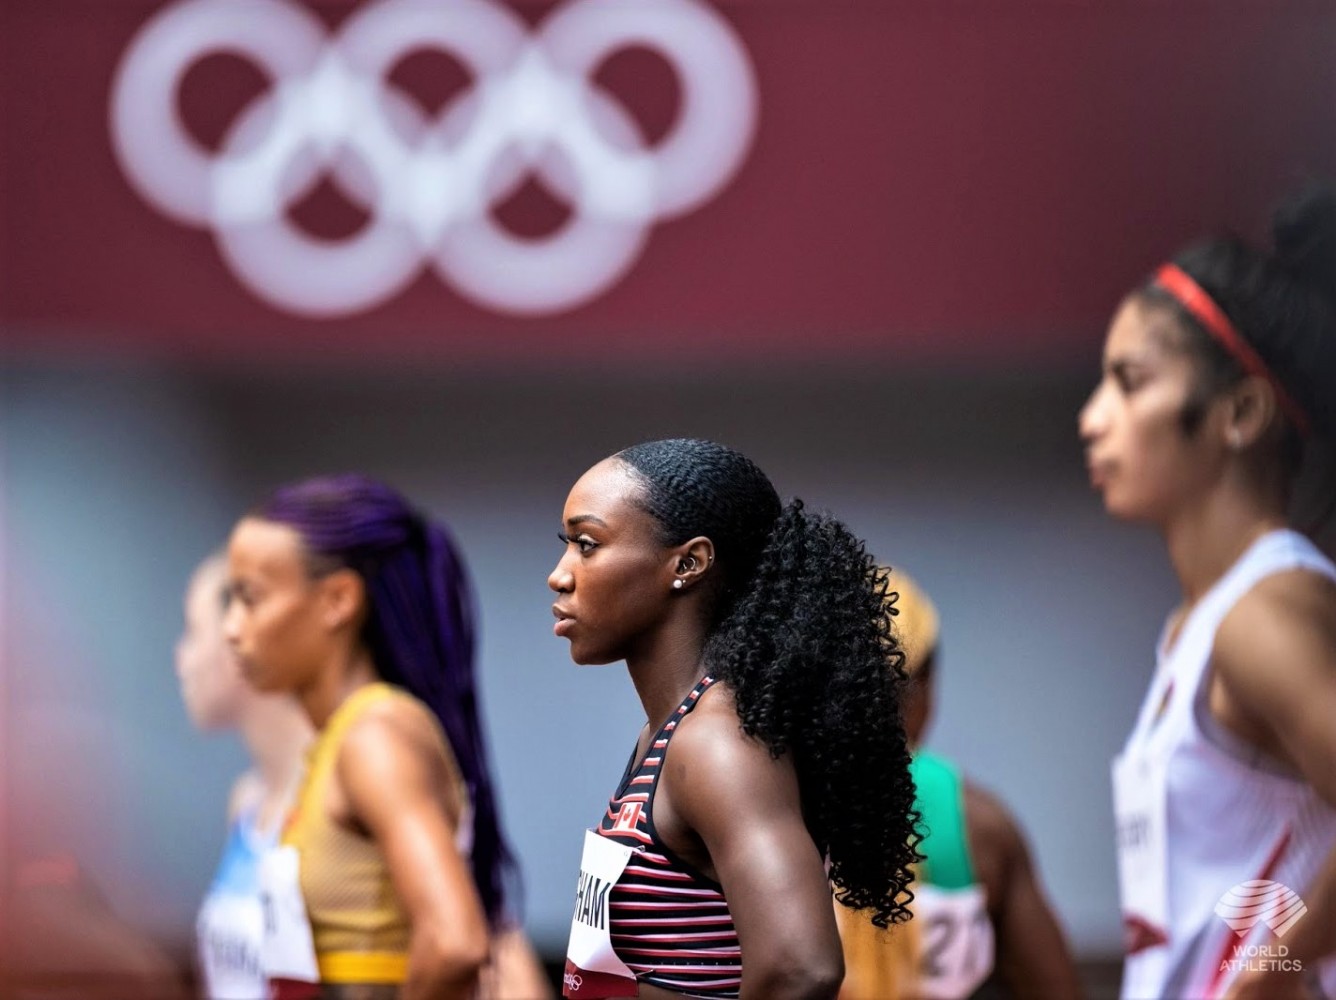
<point>428,185</point>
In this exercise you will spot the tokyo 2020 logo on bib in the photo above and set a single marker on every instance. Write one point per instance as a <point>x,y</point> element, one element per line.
<point>429,184</point>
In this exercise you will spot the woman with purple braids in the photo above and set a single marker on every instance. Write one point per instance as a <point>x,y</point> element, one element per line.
<point>392,865</point>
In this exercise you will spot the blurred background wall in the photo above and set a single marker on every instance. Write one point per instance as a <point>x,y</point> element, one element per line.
<point>120,477</point>
<point>894,303</point>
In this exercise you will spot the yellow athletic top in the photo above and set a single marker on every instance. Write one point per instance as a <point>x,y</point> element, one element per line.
<point>359,928</point>
<point>878,964</point>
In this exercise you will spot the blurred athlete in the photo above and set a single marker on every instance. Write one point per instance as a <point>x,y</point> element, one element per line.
<point>391,872</point>
<point>979,909</point>
<point>1219,377</point>
<point>275,732</point>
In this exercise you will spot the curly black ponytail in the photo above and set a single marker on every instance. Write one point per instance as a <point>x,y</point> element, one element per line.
<point>801,633</point>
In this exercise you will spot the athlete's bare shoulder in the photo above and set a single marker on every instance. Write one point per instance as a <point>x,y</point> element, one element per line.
<point>1284,626</point>
<point>997,845</point>
<point>1275,659</point>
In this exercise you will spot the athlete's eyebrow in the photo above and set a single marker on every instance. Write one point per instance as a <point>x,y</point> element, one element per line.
<point>586,519</point>
<point>1122,362</point>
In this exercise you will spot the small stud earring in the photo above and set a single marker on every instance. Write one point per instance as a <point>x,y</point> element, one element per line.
<point>677,584</point>
<point>1235,438</point>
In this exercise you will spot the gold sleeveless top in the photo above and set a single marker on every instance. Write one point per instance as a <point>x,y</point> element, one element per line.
<point>360,930</point>
<point>878,964</point>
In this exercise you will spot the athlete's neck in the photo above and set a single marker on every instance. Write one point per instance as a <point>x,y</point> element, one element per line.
<point>275,731</point>
<point>1206,540</point>
<point>335,684</point>
<point>666,668</point>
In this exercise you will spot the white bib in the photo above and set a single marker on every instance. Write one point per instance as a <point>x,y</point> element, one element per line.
<point>1139,808</point>
<point>956,945</point>
<point>229,930</point>
<point>288,951</point>
<point>592,967</point>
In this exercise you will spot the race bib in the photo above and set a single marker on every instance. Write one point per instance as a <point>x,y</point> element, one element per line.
<point>1139,802</point>
<point>957,944</point>
<point>288,951</point>
<point>592,967</point>
<point>230,930</point>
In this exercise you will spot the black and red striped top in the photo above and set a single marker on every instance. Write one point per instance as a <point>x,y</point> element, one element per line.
<point>669,923</point>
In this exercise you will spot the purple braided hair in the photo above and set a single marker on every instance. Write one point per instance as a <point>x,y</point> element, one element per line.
<point>419,629</point>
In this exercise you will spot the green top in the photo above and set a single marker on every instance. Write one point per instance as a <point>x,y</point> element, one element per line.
<point>940,799</point>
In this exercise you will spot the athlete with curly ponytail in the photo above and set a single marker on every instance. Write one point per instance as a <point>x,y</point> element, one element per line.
<point>1219,379</point>
<point>392,863</point>
<point>758,638</point>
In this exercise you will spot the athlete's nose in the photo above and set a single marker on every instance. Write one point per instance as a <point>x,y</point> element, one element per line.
<point>561,579</point>
<point>1090,422</point>
<point>232,623</point>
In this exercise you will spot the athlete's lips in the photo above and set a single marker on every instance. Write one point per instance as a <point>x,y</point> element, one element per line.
<point>1099,471</point>
<point>564,620</point>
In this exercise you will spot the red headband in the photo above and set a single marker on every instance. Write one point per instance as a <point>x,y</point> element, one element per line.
<point>1192,297</point>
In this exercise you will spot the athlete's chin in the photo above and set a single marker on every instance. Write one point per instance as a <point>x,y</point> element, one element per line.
<point>586,656</point>
<point>1126,509</point>
<point>1116,505</point>
<point>258,679</point>
<point>201,714</point>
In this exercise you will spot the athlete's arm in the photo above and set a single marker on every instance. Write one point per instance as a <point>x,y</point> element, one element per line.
<point>744,807</point>
<point>395,777</point>
<point>515,969</point>
<point>1275,657</point>
<point>1032,955</point>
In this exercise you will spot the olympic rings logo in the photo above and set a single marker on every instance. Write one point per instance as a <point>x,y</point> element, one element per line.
<point>428,184</point>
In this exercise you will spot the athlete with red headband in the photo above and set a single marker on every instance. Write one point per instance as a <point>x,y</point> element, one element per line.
<point>1219,384</point>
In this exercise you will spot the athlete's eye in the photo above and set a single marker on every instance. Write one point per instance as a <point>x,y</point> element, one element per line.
<point>1127,377</point>
<point>584,542</point>
<point>239,593</point>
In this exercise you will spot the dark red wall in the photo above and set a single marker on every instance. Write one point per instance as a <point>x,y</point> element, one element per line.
<point>933,180</point>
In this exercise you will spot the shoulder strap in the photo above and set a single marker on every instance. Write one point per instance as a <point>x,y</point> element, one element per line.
<point>688,704</point>
<point>658,740</point>
<point>324,752</point>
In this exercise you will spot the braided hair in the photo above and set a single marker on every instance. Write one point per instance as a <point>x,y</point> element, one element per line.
<point>419,629</point>
<point>800,629</point>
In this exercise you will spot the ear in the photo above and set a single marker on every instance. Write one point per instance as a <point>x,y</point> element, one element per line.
<point>692,561</point>
<point>342,598</point>
<point>1250,411</point>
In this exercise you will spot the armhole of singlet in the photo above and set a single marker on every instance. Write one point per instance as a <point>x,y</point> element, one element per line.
<point>668,852</point>
<point>325,754</point>
<point>677,860</point>
<point>1233,748</point>
<point>1212,731</point>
